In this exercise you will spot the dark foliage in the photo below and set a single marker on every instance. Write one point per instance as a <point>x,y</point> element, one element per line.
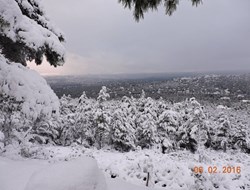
<point>142,6</point>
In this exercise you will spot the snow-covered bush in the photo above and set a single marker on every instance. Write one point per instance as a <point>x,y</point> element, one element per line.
<point>25,98</point>
<point>28,88</point>
<point>122,129</point>
<point>229,129</point>
<point>221,130</point>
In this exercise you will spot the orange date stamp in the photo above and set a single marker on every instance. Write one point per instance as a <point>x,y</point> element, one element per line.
<point>217,170</point>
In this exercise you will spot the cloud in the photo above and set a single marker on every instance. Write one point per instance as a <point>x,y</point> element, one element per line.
<point>99,63</point>
<point>103,38</point>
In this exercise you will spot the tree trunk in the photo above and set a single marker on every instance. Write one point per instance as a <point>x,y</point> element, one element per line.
<point>147,182</point>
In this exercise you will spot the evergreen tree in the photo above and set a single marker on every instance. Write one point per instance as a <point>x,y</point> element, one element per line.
<point>102,119</point>
<point>222,132</point>
<point>194,131</point>
<point>146,122</point>
<point>26,34</point>
<point>103,95</point>
<point>11,118</point>
<point>123,129</point>
<point>167,127</point>
<point>47,131</point>
<point>67,105</point>
<point>142,6</point>
<point>85,120</point>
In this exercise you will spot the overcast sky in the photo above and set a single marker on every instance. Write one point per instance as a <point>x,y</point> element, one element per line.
<point>103,37</point>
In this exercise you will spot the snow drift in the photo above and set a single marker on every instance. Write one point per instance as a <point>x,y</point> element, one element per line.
<point>80,174</point>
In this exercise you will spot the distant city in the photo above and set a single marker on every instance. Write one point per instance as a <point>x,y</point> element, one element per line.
<point>227,88</point>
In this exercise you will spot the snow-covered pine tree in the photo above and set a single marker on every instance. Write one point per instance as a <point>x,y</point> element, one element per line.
<point>9,117</point>
<point>239,132</point>
<point>167,126</point>
<point>102,119</point>
<point>26,33</point>
<point>67,131</point>
<point>193,132</point>
<point>67,105</point>
<point>222,129</point>
<point>103,95</point>
<point>123,126</point>
<point>198,121</point>
<point>85,120</point>
<point>146,122</point>
<point>46,130</point>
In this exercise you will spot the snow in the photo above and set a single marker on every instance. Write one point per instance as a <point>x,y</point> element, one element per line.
<point>222,107</point>
<point>1,140</point>
<point>15,174</point>
<point>168,171</point>
<point>78,174</point>
<point>240,96</point>
<point>225,98</point>
<point>216,93</point>
<point>119,184</point>
<point>1,136</point>
<point>28,88</point>
<point>174,170</point>
<point>245,101</point>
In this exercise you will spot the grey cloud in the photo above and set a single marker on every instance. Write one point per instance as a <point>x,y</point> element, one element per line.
<point>216,35</point>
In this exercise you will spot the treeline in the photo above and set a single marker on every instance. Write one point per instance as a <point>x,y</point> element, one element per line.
<point>129,123</point>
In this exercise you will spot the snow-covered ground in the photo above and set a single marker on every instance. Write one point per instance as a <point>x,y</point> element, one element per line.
<point>78,174</point>
<point>124,171</point>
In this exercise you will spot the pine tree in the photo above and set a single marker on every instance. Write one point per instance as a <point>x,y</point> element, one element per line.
<point>194,131</point>
<point>67,105</point>
<point>103,95</point>
<point>123,129</point>
<point>26,34</point>
<point>67,130</point>
<point>146,122</point>
<point>167,126</point>
<point>140,7</point>
<point>102,119</point>
<point>222,132</point>
<point>84,120</point>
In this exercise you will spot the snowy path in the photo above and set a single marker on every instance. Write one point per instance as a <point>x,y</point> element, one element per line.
<point>15,174</point>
